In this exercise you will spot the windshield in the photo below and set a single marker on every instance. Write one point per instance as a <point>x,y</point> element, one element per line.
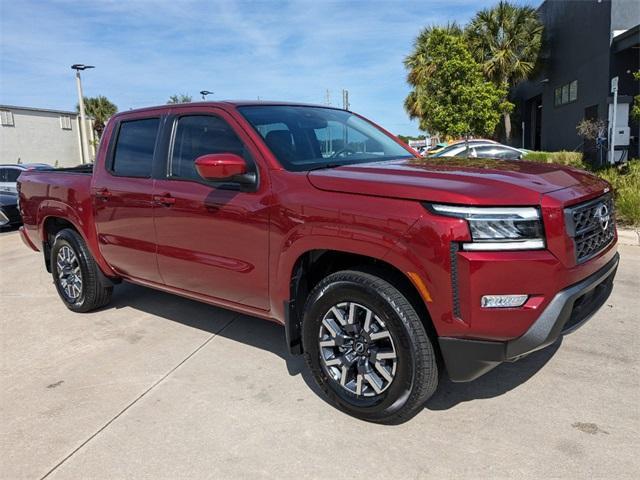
<point>305,138</point>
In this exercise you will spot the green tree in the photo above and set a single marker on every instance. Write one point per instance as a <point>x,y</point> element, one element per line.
<point>506,41</point>
<point>100,108</point>
<point>406,138</point>
<point>181,98</point>
<point>450,95</point>
<point>421,65</point>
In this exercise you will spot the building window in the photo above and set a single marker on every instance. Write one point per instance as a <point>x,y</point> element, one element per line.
<point>7,118</point>
<point>566,94</point>
<point>65,122</point>
<point>573,91</point>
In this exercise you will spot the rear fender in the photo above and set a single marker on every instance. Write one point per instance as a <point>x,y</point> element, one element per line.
<point>56,209</point>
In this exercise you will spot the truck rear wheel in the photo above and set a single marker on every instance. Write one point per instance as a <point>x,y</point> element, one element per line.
<point>367,348</point>
<point>76,275</point>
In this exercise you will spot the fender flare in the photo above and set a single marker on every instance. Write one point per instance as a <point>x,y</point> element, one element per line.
<point>395,253</point>
<point>56,209</point>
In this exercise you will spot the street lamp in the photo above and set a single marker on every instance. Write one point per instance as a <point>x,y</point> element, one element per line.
<point>204,94</point>
<point>83,134</point>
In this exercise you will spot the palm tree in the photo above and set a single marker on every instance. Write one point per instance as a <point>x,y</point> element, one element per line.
<point>420,66</point>
<point>506,41</point>
<point>100,109</point>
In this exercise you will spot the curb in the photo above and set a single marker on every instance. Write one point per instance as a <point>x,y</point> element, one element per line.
<point>628,236</point>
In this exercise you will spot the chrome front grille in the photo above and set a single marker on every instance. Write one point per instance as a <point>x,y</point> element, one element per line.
<point>591,225</point>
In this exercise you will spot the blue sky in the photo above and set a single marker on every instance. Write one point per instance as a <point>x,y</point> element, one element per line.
<point>146,51</point>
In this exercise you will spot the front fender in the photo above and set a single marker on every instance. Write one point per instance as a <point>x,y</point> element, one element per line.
<point>384,246</point>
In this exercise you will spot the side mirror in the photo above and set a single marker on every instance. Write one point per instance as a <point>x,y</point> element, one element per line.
<point>220,166</point>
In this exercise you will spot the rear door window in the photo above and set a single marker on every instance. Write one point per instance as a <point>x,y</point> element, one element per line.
<point>497,152</point>
<point>12,174</point>
<point>135,145</point>
<point>466,152</point>
<point>508,154</point>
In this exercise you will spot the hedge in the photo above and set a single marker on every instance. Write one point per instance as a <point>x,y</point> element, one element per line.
<point>625,180</point>
<point>573,159</point>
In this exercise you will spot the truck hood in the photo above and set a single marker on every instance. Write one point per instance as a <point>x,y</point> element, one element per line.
<point>452,180</point>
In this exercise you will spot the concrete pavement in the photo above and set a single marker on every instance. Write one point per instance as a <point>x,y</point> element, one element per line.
<point>157,386</point>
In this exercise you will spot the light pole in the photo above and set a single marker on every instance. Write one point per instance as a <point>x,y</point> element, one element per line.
<point>612,130</point>
<point>204,94</point>
<point>83,132</point>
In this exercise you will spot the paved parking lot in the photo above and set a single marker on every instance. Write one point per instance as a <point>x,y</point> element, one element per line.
<point>157,386</point>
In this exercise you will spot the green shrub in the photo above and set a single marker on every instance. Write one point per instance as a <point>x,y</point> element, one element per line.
<point>541,157</point>
<point>625,181</point>
<point>572,159</point>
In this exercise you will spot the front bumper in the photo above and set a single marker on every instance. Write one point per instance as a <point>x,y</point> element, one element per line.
<point>467,359</point>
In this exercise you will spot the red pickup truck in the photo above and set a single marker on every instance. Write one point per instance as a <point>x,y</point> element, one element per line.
<point>384,268</point>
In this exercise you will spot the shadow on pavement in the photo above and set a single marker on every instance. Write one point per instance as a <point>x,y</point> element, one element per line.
<point>270,337</point>
<point>9,229</point>
<point>252,331</point>
<point>503,378</point>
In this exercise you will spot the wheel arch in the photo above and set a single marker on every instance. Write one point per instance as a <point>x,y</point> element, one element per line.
<point>50,225</point>
<point>314,265</point>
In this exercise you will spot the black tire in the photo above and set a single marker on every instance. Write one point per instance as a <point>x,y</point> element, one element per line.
<point>94,293</point>
<point>416,371</point>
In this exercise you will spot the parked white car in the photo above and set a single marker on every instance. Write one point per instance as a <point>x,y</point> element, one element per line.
<point>9,174</point>
<point>482,150</point>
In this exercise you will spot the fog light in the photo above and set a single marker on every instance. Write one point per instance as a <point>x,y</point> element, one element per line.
<point>503,301</point>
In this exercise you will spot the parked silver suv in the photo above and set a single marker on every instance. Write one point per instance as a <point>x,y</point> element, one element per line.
<point>9,174</point>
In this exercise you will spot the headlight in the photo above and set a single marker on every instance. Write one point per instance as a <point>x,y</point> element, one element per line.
<point>498,228</point>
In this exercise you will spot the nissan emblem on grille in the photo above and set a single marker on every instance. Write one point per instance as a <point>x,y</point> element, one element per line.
<point>591,225</point>
<point>602,215</point>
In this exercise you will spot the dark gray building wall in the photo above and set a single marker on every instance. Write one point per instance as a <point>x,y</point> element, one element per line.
<point>577,47</point>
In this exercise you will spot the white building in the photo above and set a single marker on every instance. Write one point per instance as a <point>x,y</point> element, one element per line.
<point>38,135</point>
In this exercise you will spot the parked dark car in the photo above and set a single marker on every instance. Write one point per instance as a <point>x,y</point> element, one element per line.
<point>9,214</point>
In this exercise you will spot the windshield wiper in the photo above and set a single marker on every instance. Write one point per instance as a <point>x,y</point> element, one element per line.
<point>327,165</point>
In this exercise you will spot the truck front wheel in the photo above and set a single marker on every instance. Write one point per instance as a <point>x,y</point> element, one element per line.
<point>75,273</point>
<point>367,348</point>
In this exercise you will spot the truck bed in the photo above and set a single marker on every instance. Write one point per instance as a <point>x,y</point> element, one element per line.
<point>84,168</point>
<point>63,193</point>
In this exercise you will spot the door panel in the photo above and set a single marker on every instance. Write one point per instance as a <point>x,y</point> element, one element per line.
<point>212,240</point>
<point>123,202</point>
<point>125,225</point>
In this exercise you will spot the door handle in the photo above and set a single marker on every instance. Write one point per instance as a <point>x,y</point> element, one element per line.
<point>166,200</point>
<point>103,194</point>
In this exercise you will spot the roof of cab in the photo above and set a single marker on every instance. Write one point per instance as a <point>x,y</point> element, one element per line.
<point>223,103</point>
